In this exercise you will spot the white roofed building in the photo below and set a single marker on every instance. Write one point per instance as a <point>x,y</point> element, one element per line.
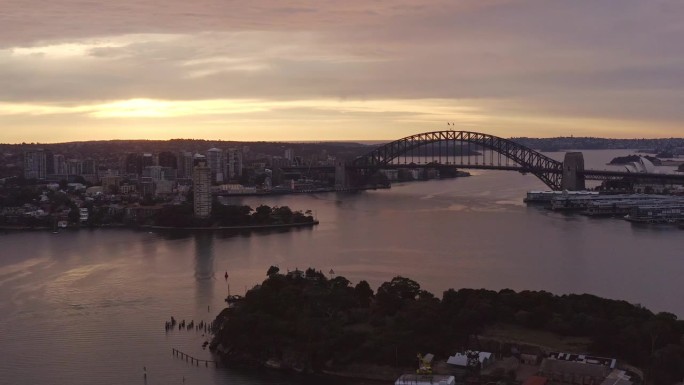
<point>461,359</point>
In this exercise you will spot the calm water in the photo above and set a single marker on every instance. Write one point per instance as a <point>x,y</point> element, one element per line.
<point>89,307</point>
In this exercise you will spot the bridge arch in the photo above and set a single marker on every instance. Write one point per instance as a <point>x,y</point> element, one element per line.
<point>546,169</point>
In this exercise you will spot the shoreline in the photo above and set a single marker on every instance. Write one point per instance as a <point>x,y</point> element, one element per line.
<point>249,227</point>
<point>167,228</point>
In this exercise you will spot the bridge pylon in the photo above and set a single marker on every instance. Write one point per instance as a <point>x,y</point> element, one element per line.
<point>341,180</point>
<point>573,172</point>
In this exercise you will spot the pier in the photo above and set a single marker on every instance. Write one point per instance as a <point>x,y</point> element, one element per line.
<point>192,360</point>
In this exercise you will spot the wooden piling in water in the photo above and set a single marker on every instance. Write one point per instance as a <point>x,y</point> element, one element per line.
<point>193,360</point>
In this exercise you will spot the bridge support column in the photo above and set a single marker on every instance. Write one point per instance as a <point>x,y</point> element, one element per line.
<point>573,166</point>
<point>341,175</point>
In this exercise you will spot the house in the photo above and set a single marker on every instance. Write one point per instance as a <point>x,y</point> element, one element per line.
<point>529,359</point>
<point>295,274</point>
<point>617,377</point>
<point>83,214</point>
<point>461,359</point>
<point>573,372</point>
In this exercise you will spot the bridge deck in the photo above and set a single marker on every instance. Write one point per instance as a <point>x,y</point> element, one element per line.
<point>589,174</point>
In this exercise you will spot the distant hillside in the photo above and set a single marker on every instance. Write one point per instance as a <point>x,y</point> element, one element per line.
<point>675,145</point>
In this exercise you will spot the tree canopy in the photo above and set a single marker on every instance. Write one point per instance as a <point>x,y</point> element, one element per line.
<point>318,322</point>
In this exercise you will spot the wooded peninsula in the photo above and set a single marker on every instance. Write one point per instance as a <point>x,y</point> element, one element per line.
<point>306,321</point>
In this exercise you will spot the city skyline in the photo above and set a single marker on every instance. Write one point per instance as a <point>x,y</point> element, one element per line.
<point>355,70</point>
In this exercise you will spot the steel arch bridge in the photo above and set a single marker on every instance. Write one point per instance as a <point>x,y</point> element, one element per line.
<point>454,143</point>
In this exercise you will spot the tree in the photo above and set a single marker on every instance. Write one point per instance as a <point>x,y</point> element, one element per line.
<point>404,288</point>
<point>364,293</point>
<point>262,214</point>
<point>74,214</point>
<point>284,213</point>
<point>391,295</point>
<point>273,270</point>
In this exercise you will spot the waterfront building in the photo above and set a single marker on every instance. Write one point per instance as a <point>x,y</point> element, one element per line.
<point>392,175</point>
<point>83,214</point>
<point>201,180</point>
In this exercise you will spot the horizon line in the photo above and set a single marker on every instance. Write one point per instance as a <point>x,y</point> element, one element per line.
<point>359,141</point>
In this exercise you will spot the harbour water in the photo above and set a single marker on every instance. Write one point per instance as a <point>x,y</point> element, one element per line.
<point>89,306</point>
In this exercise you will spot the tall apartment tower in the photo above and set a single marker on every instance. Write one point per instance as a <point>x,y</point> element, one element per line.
<point>60,165</point>
<point>168,159</point>
<point>38,164</point>
<point>216,163</point>
<point>185,164</point>
<point>234,163</point>
<point>201,182</point>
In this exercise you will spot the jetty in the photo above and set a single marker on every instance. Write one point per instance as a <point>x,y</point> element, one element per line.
<point>193,360</point>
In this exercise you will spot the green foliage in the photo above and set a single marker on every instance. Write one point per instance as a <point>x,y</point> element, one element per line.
<point>74,214</point>
<point>175,216</point>
<point>363,293</point>
<point>262,214</point>
<point>229,216</point>
<point>324,321</point>
<point>272,271</point>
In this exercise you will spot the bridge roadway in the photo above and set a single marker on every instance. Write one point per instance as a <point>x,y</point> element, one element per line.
<point>444,147</point>
<point>588,174</point>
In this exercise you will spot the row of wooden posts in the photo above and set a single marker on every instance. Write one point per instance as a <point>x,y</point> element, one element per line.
<point>193,360</point>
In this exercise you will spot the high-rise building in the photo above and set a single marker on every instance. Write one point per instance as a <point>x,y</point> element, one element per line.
<point>153,172</point>
<point>147,160</point>
<point>49,162</point>
<point>147,186</point>
<point>234,163</point>
<point>168,159</point>
<point>185,164</point>
<point>36,163</point>
<point>216,163</point>
<point>133,164</point>
<point>158,173</point>
<point>74,167</point>
<point>201,184</point>
<point>110,184</point>
<point>60,165</point>
<point>89,166</point>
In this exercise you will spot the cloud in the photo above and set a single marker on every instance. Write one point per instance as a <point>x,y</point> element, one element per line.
<point>515,60</point>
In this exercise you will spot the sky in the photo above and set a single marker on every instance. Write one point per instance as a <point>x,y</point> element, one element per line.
<point>339,70</point>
